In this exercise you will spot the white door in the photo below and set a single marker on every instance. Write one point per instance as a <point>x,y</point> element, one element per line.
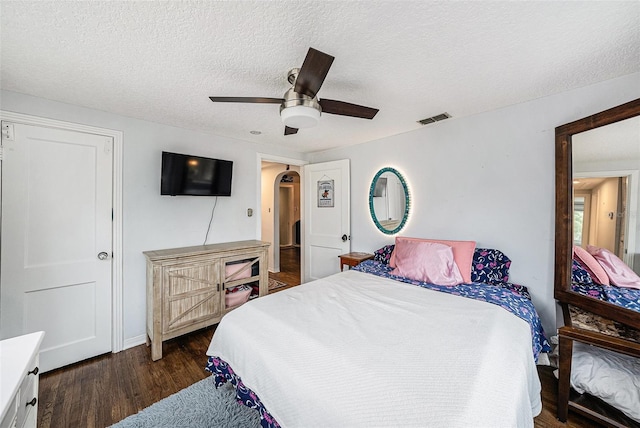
<point>327,218</point>
<point>56,241</point>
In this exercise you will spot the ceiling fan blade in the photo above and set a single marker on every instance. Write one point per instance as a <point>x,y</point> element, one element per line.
<point>290,131</point>
<point>347,109</point>
<point>247,100</point>
<point>312,73</point>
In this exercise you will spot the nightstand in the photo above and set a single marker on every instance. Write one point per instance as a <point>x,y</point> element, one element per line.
<point>352,259</point>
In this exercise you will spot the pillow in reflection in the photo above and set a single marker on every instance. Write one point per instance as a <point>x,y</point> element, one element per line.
<point>618,272</point>
<point>592,290</point>
<point>591,265</point>
<point>579,275</point>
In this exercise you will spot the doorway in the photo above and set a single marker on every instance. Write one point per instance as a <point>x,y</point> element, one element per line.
<point>601,206</point>
<point>58,270</point>
<point>281,220</point>
<point>289,225</point>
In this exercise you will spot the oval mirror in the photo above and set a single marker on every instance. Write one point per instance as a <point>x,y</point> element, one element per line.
<point>389,201</point>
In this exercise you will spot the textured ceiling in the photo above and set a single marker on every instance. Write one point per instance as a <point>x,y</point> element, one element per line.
<point>159,61</point>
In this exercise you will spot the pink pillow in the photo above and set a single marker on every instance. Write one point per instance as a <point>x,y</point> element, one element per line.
<point>462,254</point>
<point>591,265</point>
<point>618,272</point>
<point>426,261</point>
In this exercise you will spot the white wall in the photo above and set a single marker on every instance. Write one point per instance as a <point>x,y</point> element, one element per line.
<point>606,195</point>
<point>151,221</point>
<point>488,178</point>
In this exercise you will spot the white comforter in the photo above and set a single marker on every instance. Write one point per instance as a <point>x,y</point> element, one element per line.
<point>357,350</point>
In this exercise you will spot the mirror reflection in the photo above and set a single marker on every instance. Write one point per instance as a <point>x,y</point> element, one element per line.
<point>389,201</point>
<point>606,165</point>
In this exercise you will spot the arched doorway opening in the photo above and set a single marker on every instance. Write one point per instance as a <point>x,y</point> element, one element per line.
<point>287,226</point>
<point>281,220</point>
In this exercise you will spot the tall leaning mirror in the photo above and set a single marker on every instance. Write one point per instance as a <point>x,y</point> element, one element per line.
<point>597,201</point>
<point>389,201</point>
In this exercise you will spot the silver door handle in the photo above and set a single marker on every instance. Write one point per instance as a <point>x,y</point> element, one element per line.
<point>103,256</point>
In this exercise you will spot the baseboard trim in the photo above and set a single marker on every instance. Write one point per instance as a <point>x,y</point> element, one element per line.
<point>134,341</point>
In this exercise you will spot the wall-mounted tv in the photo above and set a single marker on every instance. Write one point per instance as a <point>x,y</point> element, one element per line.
<point>195,175</point>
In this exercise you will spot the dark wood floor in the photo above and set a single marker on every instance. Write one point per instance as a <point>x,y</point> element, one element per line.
<point>289,267</point>
<point>104,390</point>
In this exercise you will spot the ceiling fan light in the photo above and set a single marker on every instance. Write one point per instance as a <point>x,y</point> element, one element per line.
<point>300,116</point>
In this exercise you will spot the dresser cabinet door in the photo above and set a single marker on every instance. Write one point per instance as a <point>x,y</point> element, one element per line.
<point>192,293</point>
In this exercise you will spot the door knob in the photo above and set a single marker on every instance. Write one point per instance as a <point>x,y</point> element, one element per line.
<point>344,238</point>
<point>102,255</point>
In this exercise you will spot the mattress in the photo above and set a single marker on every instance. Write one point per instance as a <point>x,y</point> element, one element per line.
<point>359,350</point>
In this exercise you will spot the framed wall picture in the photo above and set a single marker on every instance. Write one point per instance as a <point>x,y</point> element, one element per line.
<point>325,193</point>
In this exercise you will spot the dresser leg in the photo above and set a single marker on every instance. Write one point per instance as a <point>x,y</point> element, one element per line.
<point>156,350</point>
<point>564,377</point>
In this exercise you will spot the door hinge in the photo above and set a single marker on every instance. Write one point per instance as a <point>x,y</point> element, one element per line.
<point>7,131</point>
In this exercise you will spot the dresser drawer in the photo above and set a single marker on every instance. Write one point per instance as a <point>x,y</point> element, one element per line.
<point>28,394</point>
<point>11,418</point>
<point>19,380</point>
<point>22,411</point>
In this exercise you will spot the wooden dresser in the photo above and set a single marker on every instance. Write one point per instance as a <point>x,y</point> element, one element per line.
<point>19,380</point>
<point>186,287</point>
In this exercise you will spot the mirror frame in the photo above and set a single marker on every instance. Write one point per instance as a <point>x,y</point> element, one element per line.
<point>405,215</point>
<point>564,214</point>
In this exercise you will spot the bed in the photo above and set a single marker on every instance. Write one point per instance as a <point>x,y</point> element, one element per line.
<point>367,348</point>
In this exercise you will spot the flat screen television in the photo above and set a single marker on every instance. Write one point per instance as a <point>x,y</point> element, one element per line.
<point>195,175</point>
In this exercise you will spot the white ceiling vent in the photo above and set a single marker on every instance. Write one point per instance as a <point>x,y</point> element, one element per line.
<point>436,118</point>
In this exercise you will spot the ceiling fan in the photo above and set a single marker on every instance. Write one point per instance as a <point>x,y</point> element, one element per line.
<point>300,107</point>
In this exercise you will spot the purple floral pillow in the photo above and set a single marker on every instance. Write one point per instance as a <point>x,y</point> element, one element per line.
<point>579,274</point>
<point>490,266</point>
<point>383,255</point>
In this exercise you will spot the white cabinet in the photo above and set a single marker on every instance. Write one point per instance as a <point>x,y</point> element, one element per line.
<point>19,380</point>
<point>186,287</point>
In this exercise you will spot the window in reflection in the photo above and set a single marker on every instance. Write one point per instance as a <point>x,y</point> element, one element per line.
<point>578,220</point>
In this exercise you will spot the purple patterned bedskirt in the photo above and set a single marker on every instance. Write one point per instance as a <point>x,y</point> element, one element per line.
<point>223,373</point>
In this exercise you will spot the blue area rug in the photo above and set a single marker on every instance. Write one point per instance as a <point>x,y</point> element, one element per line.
<point>199,405</point>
